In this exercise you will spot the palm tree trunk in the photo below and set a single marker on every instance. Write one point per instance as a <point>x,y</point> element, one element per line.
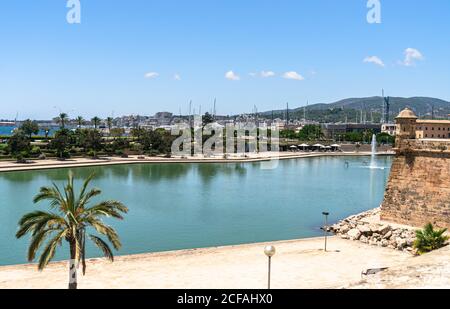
<point>73,267</point>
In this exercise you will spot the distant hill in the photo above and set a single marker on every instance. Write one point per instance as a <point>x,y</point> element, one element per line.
<point>350,109</point>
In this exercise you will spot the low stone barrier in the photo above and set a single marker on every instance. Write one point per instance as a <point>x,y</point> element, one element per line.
<point>375,234</point>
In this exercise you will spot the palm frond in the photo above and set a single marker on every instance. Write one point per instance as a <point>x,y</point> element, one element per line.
<point>103,246</point>
<point>83,201</point>
<point>108,209</point>
<point>49,251</point>
<point>83,249</point>
<point>37,220</point>
<point>36,241</point>
<point>85,186</point>
<point>49,193</point>
<point>106,230</point>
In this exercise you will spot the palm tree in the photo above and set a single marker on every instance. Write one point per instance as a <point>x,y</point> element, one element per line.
<point>62,119</point>
<point>68,220</point>
<point>46,132</point>
<point>430,239</point>
<point>96,120</point>
<point>109,122</point>
<point>80,121</point>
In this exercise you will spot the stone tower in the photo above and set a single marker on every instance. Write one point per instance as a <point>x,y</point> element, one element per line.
<point>406,126</point>
<point>418,189</point>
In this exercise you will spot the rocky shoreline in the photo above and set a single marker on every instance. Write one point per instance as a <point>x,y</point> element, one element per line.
<point>383,235</point>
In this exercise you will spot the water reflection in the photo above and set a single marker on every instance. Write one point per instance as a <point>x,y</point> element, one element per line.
<point>141,172</point>
<point>208,172</point>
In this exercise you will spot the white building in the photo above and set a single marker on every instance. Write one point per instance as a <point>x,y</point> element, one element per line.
<point>389,128</point>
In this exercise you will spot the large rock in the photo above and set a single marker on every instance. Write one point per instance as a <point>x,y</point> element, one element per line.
<point>376,236</point>
<point>388,235</point>
<point>375,228</point>
<point>344,229</point>
<point>410,242</point>
<point>373,242</point>
<point>401,243</point>
<point>354,234</point>
<point>365,230</point>
<point>384,229</point>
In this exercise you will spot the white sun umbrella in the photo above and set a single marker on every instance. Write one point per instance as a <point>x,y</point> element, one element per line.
<point>336,146</point>
<point>319,146</point>
<point>293,147</point>
<point>303,145</point>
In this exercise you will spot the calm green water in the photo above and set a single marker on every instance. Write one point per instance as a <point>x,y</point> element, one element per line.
<point>180,206</point>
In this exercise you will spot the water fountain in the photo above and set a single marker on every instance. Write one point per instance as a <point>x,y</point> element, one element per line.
<point>373,163</point>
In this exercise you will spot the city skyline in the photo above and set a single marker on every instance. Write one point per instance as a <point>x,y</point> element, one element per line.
<point>157,56</point>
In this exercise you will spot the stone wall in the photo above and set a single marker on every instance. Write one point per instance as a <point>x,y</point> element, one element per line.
<point>418,190</point>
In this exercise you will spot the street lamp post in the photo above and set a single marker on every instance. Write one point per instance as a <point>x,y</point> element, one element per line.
<point>325,228</point>
<point>270,252</point>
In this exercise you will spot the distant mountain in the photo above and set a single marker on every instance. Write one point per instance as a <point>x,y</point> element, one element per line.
<point>350,109</point>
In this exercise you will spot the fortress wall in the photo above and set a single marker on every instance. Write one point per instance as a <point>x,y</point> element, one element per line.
<point>418,190</point>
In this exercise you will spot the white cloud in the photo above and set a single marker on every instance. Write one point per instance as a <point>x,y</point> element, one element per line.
<point>411,56</point>
<point>177,77</point>
<point>230,75</point>
<point>266,74</point>
<point>151,75</point>
<point>375,60</point>
<point>252,74</point>
<point>293,75</point>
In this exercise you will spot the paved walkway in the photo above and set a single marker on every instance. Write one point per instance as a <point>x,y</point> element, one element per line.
<point>9,166</point>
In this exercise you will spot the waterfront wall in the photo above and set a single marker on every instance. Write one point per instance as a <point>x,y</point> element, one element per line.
<point>418,190</point>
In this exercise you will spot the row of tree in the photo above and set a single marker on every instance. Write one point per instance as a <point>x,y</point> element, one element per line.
<point>86,141</point>
<point>63,120</point>
<point>309,132</point>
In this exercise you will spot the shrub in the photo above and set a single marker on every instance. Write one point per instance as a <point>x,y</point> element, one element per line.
<point>442,147</point>
<point>430,239</point>
<point>91,153</point>
<point>153,153</point>
<point>64,155</point>
<point>19,143</point>
<point>21,158</point>
<point>137,147</point>
<point>36,150</point>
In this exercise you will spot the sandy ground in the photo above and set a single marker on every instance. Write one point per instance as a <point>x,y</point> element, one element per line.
<point>9,166</point>
<point>429,271</point>
<point>297,264</point>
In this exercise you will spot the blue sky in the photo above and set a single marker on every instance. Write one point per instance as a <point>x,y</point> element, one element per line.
<point>99,67</point>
